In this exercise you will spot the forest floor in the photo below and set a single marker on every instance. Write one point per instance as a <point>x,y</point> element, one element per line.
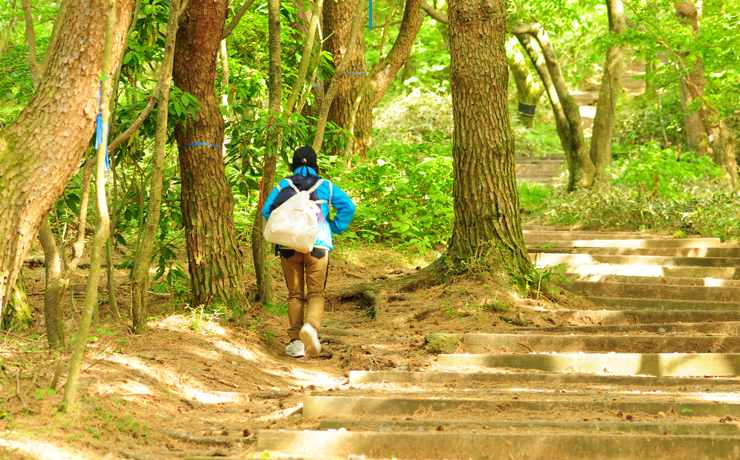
<point>201,384</point>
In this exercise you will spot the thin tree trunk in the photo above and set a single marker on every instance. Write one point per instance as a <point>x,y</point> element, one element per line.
<point>214,259</point>
<point>264,282</point>
<point>528,90</point>
<point>18,314</point>
<point>561,123</point>
<point>51,133</point>
<point>487,232</point>
<point>583,170</point>
<point>143,261</point>
<point>611,88</point>
<point>103,220</point>
<point>56,287</point>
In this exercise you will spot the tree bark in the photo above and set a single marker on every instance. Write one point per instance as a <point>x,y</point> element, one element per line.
<point>215,265</point>
<point>611,88</point>
<point>264,282</point>
<point>377,82</point>
<point>143,261</point>
<point>337,80</point>
<point>338,16</point>
<point>51,133</point>
<point>487,233</point>
<point>583,170</point>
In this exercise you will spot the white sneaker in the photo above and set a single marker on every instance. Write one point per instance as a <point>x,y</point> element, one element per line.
<point>311,339</point>
<point>295,349</point>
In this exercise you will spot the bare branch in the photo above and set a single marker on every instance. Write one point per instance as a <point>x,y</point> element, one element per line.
<point>436,15</point>
<point>31,43</point>
<point>237,17</point>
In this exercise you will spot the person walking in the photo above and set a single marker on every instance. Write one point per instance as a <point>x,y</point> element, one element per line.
<point>314,266</point>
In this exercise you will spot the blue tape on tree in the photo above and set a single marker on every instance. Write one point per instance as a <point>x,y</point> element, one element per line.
<point>201,143</point>
<point>371,15</point>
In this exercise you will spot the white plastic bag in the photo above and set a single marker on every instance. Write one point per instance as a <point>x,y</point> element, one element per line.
<point>294,223</point>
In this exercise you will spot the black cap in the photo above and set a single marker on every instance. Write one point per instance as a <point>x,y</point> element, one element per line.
<point>305,156</point>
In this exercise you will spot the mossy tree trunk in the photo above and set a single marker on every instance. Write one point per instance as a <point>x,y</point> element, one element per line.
<point>611,88</point>
<point>561,122</point>
<point>51,133</point>
<point>528,89</point>
<point>582,169</point>
<point>214,259</point>
<point>487,230</point>
<point>18,314</point>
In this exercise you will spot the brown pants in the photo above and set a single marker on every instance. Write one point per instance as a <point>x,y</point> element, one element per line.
<point>316,266</point>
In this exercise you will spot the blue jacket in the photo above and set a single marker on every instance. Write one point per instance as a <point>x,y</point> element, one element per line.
<point>304,179</point>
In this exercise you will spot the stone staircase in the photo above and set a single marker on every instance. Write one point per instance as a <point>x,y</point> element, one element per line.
<point>654,375</point>
<point>539,169</point>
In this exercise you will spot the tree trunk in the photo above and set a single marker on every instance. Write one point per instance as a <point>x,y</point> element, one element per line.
<point>215,261</point>
<point>143,261</point>
<point>51,133</point>
<point>337,19</point>
<point>692,87</point>
<point>528,89</point>
<point>56,287</point>
<point>18,314</point>
<point>377,82</point>
<point>611,88</point>
<point>487,231</point>
<point>582,169</point>
<point>561,123</point>
<point>264,282</point>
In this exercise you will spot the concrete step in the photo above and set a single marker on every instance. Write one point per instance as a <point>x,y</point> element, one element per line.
<point>658,364</point>
<point>675,428</point>
<point>532,445</point>
<point>654,291</point>
<point>404,404</point>
<point>660,304</point>
<point>551,166</point>
<point>722,252</point>
<point>537,240</point>
<point>587,259</point>
<point>627,279</point>
<point>540,228</point>
<point>602,343</point>
<point>641,317</point>
<point>727,273</point>
<point>578,235</point>
<point>719,328</point>
<point>534,160</point>
<point>477,379</point>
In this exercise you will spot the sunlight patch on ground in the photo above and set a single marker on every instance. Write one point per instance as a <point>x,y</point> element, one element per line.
<point>241,352</point>
<point>281,414</point>
<point>198,322</point>
<point>712,282</point>
<point>214,397</point>
<point>38,449</point>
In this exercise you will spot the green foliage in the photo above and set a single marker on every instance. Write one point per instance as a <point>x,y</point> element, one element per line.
<point>419,116</point>
<point>674,171</point>
<point>403,195</point>
<point>542,281</point>
<point>533,196</point>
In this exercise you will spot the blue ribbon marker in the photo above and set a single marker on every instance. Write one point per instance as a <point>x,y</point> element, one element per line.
<point>371,14</point>
<point>201,143</point>
<point>99,126</point>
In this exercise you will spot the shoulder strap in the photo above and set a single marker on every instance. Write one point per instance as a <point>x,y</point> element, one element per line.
<point>315,186</point>
<point>290,182</point>
<point>331,191</point>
